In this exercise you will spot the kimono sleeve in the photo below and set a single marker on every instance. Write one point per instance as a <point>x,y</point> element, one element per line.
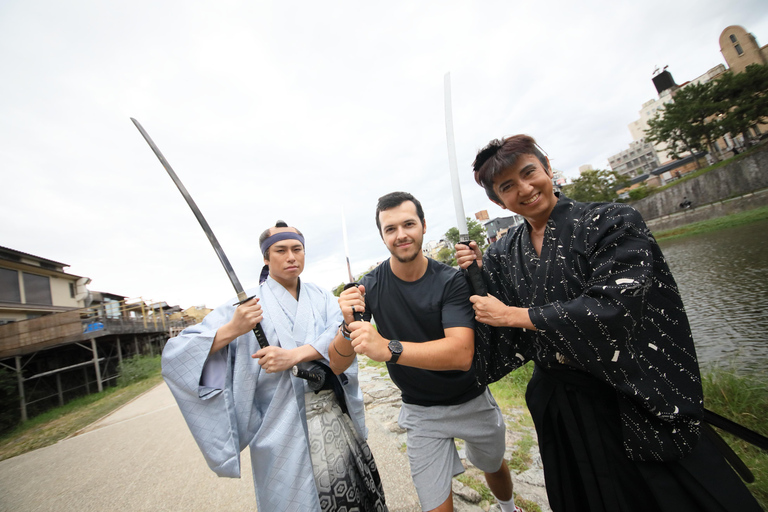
<point>329,320</point>
<point>498,350</point>
<point>207,409</point>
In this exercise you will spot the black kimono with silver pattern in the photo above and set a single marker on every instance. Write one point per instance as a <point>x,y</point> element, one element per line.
<point>604,301</point>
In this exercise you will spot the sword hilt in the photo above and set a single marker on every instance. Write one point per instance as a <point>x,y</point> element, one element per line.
<point>315,380</point>
<point>475,275</point>
<point>358,315</point>
<point>257,331</point>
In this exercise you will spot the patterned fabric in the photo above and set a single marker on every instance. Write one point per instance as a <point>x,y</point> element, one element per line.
<point>229,403</point>
<point>345,473</point>
<point>604,302</point>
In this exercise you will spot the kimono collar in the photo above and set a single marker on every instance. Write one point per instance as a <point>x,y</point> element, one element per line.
<point>560,211</point>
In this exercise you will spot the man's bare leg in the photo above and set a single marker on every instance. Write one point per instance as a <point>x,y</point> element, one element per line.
<point>500,482</point>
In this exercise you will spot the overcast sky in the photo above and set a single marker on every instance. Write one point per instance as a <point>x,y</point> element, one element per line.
<point>290,110</point>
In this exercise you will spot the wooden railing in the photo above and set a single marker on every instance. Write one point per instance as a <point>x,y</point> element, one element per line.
<point>124,317</point>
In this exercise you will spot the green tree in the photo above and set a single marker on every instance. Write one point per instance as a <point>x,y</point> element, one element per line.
<point>743,99</point>
<point>476,233</point>
<point>691,123</point>
<point>596,185</point>
<point>337,291</point>
<point>445,255</point>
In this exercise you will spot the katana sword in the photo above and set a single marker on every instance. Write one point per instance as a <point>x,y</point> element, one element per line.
<point>474,272</point>
<point>241,295</point>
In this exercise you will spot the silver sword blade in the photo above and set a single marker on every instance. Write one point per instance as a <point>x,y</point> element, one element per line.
<point>346,244</point>
<point>198,214</point>
<point>458,203</point>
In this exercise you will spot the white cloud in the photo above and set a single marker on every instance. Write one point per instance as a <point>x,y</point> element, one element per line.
<point>272,110</point>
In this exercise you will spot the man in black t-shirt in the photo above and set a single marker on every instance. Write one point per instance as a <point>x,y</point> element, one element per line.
<point>426,336</point>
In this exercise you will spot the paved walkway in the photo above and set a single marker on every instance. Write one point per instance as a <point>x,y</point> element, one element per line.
<point>143,458</point>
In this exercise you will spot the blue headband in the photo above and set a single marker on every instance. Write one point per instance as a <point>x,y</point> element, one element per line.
<point>277,237</point>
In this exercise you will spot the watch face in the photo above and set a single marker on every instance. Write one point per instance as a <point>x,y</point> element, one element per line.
<point>395,347</point>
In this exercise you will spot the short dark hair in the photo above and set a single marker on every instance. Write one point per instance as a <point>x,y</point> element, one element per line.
<point>395,199</point>
<point>265,234</point>
<point>501,154</point>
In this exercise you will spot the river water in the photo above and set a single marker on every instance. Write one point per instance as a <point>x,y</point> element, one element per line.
<point>723,279</point>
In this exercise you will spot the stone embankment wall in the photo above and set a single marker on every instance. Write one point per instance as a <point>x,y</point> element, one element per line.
<point>731,188</point>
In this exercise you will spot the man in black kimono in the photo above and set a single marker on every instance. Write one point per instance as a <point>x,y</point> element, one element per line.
<point>584,291</point>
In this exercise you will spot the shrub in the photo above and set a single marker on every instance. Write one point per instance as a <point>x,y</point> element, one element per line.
<point>138,368</point>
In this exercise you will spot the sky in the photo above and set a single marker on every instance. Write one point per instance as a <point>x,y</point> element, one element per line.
<point>297,110</point>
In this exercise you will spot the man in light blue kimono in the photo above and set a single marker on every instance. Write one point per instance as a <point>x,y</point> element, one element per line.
<point>234,394</point>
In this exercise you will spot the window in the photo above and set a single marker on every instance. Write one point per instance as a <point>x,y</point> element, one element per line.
<point>37,289</point>
<point>739,50</point>
<point>9,286</point>
<point>72,290</point>
<point>733,39</point>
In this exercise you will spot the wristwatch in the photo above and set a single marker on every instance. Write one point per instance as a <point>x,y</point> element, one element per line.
<point>396,348</point>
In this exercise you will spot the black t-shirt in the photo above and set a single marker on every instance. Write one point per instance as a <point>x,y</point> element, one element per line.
<point>419,311</point>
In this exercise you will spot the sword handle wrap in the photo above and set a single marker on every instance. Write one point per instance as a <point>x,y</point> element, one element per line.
<point>357,314</point>
<point>257,331</point>
<point>260,336</point>
<point>315,380</point>
<point>476,277</point>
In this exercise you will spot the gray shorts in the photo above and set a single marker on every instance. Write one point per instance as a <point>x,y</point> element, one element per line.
<point>431,449</point>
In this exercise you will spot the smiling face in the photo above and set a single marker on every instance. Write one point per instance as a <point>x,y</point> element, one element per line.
<point>402,231</point>
<point>285,258</point>
<point>526,188</point>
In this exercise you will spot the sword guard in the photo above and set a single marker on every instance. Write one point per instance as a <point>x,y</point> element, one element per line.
<point>243,301</point>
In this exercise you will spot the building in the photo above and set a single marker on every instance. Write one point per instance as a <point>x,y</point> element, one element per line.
<point>62,340</point>
<point>498,227</point>
<point>740,49</point>
<point>31,286</point>
<point>432,248</point>
<point>666,88</point>
<point>640,158</point>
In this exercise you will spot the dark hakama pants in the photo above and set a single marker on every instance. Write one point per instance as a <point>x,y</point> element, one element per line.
<point>586,468</point>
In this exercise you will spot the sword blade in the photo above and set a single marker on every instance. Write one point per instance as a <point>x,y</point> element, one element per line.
<point>474,273</point>
<point>198,214</point>
<point>458,203</point>
<point>346,244</point>
<point>241,295</point>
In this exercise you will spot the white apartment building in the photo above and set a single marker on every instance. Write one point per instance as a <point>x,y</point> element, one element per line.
<point>640,158</point>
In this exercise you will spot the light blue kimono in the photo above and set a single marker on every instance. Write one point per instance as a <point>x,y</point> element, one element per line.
<point>229,403</point>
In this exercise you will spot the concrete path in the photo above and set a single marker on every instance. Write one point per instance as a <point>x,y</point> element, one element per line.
<point>143,458</point>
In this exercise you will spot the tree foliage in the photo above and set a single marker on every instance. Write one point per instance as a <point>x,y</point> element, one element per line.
<point>702,113</point>
<point>476,233</point>
<point>445,255</point>
<point>743,99</point>
<point>690,124</point>
<point>595,186</point>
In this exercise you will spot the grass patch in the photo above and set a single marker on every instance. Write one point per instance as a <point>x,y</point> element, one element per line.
<point>488,498</point>
<point>745,401</point>
<point>707,226</point>
<point>479,486</point>
<point>509,393</point>
<point>521,457</point>
<point>59,423</point>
